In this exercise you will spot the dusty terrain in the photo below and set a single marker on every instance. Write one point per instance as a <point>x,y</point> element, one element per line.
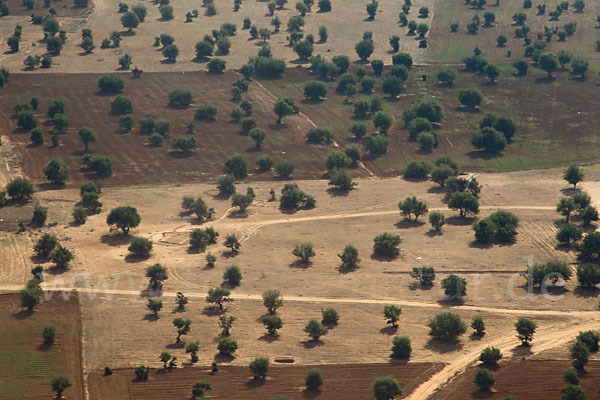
<point>112,284</point>
<point>345,26</point>
<point>524,380</point>
<point>341,382</point>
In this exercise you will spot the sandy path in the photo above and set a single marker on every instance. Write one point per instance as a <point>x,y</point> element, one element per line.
<point>543,340</point>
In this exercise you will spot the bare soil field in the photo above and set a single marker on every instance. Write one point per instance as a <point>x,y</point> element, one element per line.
<point>346,23</point>
<point>524,379</point>
<point>341,382</point>
<point>540,140</point>
<point>112,285</point>
<point>26,364</point>
<point>63,8</point>
<point>133,159</point>
<point>555,124</point>
<point>447,47</point>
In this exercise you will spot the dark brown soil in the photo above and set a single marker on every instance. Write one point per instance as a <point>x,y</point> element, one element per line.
<point>341,382</point>
<point>132,158</point>
<point>532,380</point>
<point>64,8</point>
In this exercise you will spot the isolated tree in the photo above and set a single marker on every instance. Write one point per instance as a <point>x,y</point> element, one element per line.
<point>20,189</point>
<point>446,75</point>
<point>386,388</point>
<point>227,346</point>
<point>548,62</point>
<point>284,107</point>
<point>349,257</point>
<point>237,166</point>
<point>412,206</point>
<point>61,256</point>
<point>259,136</point>
<point>272,323</point>
<point>588,275</point>
<point>314,379</point>
<point>232,275</point>
<point>218,296</point>
<point>314,90</point>
<point>110,84</point>
<point>579,354</point>
<point>124,218</point>
<point>478,325</point>
<point>425,275</point>
<point>566,206</point>
<point>140,246</point>
<point>120,105</point>
<point>87,136</point>
<point>56,171</point>
<point>192,349</point>
<point>200,388</point>
<point>525,329</point>
<point>157,275</point>
<point>49,334</point>
<point>391,314</point>
<point>182,326</point>
<point>181,300</point>
<point>272,300</point>
<point>232,242</point>
<point>30,296</point>
<point>386,245</point>
<point>484,379</point>
<point>470,97</point>
<point>60,384</point>
<point>446,327</point>
<point>364,49</point>
<point>574,392</point>
<point>573,174</point>
<point>130,20</point>
<point>260,367</point>
<point>315,329</point>
<point>454,286</point>
<point>490,355</point>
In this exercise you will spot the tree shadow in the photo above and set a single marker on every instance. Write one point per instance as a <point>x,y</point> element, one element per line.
<point>312,343</point>
<point>337,192</point>
<point>150,317</point>
<point>381,258</point>
<point>451,302</point>
<point>23,314</point>
<point>406,224</point>
<point>442,347</point>
<point>478,245</point>
<point>300,264</point>
<point>176,345</point>
<point>544,80</point>
<point>521,351</point>
<point>388,330</point>
<point>132,258</point>
<point>267,337</point>
<point>475,337</point>
<point>347,270</point>
<point>223,358</point>
<point>115,239</point>
<point>586,292</point>
<point>433,233</point>
<point>460,221</point>
<point>212,311</point>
